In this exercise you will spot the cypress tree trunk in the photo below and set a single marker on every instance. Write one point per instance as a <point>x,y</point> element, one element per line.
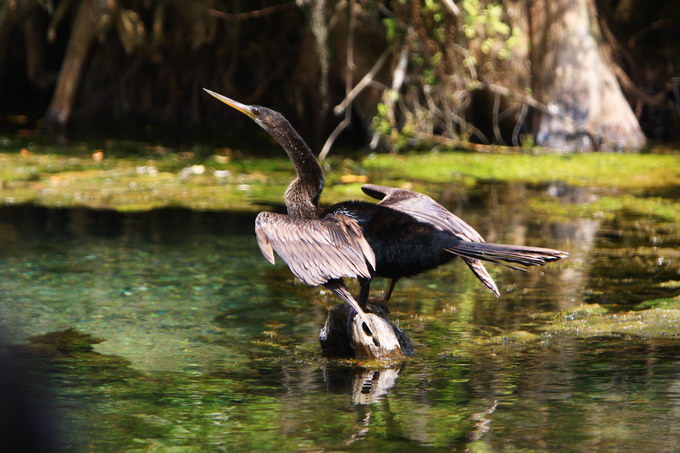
<point>587,110</point>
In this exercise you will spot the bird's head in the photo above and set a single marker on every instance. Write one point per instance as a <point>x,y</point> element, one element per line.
<point>268,119</point>
<point>302,196</point>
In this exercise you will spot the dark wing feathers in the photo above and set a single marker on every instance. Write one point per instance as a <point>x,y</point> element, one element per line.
<point>471,246</point>
<point>477,268</point>
<point>423,209</point>
<point>426,210</point>
<point>316,250</point>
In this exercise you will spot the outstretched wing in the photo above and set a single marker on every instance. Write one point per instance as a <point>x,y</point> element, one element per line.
<point>426,210</point>
<point>316,250</point>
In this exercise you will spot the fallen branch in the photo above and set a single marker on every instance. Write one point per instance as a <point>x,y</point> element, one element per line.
<point>477,147</point>
<point>251,14</point>
<point>525,98</point>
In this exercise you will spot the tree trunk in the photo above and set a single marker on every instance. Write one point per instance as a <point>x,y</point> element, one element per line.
<point>586,108</point>
<point>35,49</point>
<point>93,16</point>
<point>343,336</point>
<point>12,12</point>
<point>366,385</point>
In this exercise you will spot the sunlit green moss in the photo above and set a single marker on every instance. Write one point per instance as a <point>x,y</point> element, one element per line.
<point>624,171</point>
<point>139,177</point>
<point>518,337</point>
<point>593,321</point>
<point>658,318</point>
<point>664,302</point>
<point>134,184</point>
<point>607,206</point>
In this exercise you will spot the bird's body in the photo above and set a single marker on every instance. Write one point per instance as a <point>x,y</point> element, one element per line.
<point>403,246</point>
<point>403,235</point>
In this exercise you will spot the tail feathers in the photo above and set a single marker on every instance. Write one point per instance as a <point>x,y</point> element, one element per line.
<point>505,254</point>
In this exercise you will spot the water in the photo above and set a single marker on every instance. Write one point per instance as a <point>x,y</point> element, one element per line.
<point>167,331</point>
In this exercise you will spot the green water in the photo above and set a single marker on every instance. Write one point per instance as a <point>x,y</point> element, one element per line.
<point>185,339</point>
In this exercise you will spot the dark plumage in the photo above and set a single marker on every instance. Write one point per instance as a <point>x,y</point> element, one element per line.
<point>405,234</point>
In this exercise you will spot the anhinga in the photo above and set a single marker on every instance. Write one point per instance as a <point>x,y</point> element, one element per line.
<point>405,234</point>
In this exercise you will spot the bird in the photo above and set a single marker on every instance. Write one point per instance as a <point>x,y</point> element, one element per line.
<point>405,234</point>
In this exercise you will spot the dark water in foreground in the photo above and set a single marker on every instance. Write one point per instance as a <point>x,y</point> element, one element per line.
<point>185,339</point>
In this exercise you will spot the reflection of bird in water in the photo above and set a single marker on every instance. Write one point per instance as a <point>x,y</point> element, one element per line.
<point>405,234</point>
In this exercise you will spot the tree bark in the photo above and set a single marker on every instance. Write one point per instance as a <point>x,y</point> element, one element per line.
<point>12,12</point>
<point>343,336</point>
<point>93,16</point>
<point>586,108</point>
<point>366,385</point>
<point>35,49</point>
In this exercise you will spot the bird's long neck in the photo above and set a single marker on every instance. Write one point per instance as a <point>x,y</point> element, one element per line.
<point>302,195</point>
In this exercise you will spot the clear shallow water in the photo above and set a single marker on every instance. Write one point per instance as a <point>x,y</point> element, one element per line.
<point>185,339</point>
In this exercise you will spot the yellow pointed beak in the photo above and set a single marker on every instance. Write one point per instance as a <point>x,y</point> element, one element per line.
<point>245,109</point>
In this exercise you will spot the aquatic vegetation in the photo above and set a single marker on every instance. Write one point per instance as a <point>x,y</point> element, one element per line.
<point>114,176</point>
<point>594,321</point>
<point>608,206</point>
<point>611,170</point>
<point>653,319</point>
<point>664,302</point>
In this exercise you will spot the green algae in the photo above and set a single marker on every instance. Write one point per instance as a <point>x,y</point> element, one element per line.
<point>139,177</point>
<point>589,321</point>
<point>663,302</point>
<point>622,171</point>
<point>594,321</point>
<point>607,207</point>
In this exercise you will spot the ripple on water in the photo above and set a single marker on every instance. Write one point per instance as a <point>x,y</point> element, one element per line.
<point>207,346</point>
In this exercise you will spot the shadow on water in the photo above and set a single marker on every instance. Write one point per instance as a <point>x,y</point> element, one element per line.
<point>167,329</point>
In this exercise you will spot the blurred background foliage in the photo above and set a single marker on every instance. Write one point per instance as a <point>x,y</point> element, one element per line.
<point>392,72</point>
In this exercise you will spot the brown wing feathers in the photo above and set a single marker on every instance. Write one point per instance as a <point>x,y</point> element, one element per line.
<point>316,250</point>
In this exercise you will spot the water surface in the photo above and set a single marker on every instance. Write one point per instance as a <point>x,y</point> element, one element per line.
<point>168,331</point>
